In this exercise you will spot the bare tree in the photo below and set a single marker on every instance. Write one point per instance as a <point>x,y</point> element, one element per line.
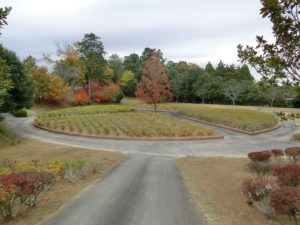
<point>232,90</point>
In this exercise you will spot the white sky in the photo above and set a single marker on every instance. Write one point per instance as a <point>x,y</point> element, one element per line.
<point>196,31</point>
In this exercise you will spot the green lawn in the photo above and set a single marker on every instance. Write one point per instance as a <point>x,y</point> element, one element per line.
<point>118,121</point>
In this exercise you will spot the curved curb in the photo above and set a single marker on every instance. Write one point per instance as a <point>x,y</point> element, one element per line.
<point>230,128</point>
<point>204,138</point>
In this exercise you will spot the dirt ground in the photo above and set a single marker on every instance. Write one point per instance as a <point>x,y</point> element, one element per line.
<point>64,191</point>
<point>214,184</point>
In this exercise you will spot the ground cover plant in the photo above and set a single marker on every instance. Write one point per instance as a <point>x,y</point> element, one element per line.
<point>73,169</point>
<point>244,119</point>
<point>120,124</point>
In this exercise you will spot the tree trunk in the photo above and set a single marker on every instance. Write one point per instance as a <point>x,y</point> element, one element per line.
<point>202,100</point>
<point>155,107</point>
<point>89,90</point>
<point>233,101</point>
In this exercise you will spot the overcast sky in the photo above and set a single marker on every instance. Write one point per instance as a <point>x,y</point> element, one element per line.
<point>196,31</point>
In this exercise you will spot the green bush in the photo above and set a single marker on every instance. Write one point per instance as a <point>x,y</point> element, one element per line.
<point>1,118</point>
<point>20,113</point>
<point>296,136</point>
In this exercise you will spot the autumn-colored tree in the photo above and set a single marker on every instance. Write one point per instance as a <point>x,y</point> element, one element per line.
<point>49,87</point>
<point>154,86</point>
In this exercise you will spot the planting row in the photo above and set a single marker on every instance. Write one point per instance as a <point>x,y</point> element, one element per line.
<point>87,110</point>
<point>24,184</point>
<point>275,188</point>
<point>126,124</point>
<point>244,119</point>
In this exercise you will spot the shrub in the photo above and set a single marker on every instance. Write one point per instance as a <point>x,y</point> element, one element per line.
<point>99,96</point>
<point>80,98</point>
<point>1,118</point>
<point>288,174</point>
<point>261,169</point>
<point>262,156</point>
<point>286,201</point>
<point>293,153</point>
<point>296,136</point>
<point>113,93</point>
<point>20,113</point>
<point>256,189</point>
<point>277,152</point>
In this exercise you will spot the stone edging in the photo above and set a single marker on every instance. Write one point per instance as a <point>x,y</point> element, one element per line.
<point>230,128</point>
<point>204,138</point>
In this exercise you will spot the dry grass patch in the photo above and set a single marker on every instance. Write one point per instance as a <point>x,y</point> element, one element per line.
<point>64,191</point>
<point>215,185</point>
<point>123,124</point>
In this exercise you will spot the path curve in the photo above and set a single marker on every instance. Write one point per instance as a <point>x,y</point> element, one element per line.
<point>233,145</point>
<point>147,188</point>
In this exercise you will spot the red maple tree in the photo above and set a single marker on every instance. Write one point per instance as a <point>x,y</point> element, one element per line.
<point>154,86</point>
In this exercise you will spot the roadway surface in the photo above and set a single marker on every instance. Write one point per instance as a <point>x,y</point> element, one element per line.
<point>147,188</point>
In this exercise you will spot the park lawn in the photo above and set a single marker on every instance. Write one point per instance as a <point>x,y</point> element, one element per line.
<point>214,183</point>
<point>121,124</point>
<point>64,191</point>
<point>244,119</point>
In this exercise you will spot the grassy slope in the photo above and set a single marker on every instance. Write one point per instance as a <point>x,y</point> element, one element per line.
<point>6,136</point>
<point>215,187</point>
<point>30,149</point>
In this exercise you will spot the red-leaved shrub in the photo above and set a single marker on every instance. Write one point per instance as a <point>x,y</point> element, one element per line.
<point>256,189</point>
<point>260,156</point>
<point>80,98</point>
<point>286,200</point>
<point>277,152</point>
<point>293,153</point>
<point>287,174</point>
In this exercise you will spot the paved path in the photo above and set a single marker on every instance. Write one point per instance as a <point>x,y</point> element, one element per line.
<point>234,144</point>
<point>146,189</point>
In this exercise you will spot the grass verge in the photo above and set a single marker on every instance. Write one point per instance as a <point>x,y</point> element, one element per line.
<point>214,184</point>
<point>6,136</point>
<point>64,191</point>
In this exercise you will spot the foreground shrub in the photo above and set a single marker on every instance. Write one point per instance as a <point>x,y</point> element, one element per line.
<point>262,156</point>
<point>293,153</point>
<point>25,186</point>
<point>277,152</point>
<point>288,174</point>
<point>255,189</point>
<point>286,201</point>
<point>261,169</point>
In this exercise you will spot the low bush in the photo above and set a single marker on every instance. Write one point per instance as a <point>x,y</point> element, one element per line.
<point>22,183</point>
<point>293,153</point>
<point>260,169</point>
<point>255,189</point>
<point>20,113</point>
<point>277,152</point>
<point>287,174</point>
<point>261,156</point>
<point>286,201</point>
<point>296,136</point>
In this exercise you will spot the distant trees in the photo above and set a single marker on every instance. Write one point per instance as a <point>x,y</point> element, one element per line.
<point>280,59</point>
<point>154,86</point>
<point>91,51</point>
<point>232,90</point>
<point>20,93</point>
<point>49,88</point>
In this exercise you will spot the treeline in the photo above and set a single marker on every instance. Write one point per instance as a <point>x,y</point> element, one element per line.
<point>82,74</point>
